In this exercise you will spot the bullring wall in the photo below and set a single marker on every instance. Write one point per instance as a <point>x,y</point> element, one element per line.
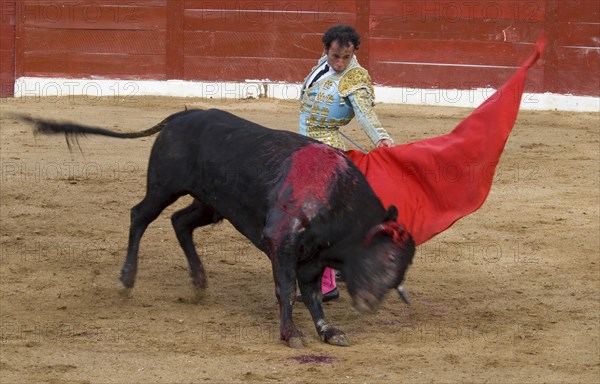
<point>418,44</point>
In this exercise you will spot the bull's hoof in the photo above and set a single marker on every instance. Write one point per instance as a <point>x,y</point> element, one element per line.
<point>336,338</point>
<point>295,342</point>
<point>293,339</point>
<point>124,291</point>
<point>198,294</point>
<point>127,278</point>
<point>199,282</point>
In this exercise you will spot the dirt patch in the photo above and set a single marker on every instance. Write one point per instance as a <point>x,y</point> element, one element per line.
<point>508,294</point>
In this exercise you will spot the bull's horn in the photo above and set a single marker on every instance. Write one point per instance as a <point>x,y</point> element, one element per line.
<point>403,294</point>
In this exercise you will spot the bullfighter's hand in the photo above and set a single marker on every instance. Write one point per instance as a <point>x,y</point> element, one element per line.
<point>385,143</point>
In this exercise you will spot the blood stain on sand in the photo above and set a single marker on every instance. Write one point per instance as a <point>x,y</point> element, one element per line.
<point>312,359</point>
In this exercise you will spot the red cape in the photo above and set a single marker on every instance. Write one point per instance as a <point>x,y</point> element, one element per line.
<point>436,181</point>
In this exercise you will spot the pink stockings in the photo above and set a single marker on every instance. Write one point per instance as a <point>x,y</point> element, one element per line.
<point>328,280</point>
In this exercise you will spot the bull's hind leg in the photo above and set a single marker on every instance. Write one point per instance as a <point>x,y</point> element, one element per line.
<point>184,222</point>
<point>141,216</point>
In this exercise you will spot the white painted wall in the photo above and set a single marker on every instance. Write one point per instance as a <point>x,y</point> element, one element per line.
<point>32,87</point>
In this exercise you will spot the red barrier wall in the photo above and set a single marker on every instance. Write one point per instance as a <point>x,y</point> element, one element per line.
<point>419,44</point>
<point>7,47</point>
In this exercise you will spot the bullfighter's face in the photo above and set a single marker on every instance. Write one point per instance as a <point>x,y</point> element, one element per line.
<point>370,278</point>
<point>339,57</point>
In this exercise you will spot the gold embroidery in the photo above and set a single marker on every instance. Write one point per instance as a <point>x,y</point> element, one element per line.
<point>365,103</point>
<point>355,79</point>
<point>328,136</point>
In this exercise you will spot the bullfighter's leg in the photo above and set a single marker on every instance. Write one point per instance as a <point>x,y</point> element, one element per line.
<point>309,282</point>
<point>141,216</point>
<point>184,222</point>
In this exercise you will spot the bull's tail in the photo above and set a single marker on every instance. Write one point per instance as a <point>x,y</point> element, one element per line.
<point>73,131</point>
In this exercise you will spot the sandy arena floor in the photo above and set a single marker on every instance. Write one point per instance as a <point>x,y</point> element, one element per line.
<point>509,294</point>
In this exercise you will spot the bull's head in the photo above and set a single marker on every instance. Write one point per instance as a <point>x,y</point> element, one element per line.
<point>388,250</point>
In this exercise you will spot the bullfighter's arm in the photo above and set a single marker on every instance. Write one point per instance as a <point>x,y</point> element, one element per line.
<point>356,87</point>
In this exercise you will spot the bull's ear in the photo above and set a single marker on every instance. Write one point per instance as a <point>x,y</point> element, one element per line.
<point>391,214</point>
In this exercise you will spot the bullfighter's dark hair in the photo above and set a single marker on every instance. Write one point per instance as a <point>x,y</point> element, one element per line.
<point>344,34</point>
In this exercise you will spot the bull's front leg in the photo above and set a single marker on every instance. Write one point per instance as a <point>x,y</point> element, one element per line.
<point>283,233</point>
<point>285,289</point>
<point>309,281</point>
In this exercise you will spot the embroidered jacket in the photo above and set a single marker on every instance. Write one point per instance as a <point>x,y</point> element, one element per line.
<point>333,101</point>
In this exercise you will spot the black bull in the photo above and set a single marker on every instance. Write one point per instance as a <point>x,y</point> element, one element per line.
<point>308,208</point>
